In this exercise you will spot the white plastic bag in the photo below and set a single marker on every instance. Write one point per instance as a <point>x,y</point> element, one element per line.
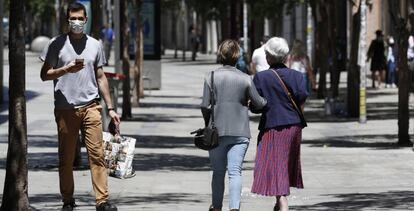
<point>119,154</point>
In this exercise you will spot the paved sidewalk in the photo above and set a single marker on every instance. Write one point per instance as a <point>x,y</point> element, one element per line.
<point>346,165</point>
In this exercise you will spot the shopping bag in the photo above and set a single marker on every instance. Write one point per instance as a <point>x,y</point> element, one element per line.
<point>119,155</point>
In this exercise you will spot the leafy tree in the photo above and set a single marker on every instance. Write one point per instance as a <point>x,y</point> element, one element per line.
<point>15,185</point>
<point>40,16</point>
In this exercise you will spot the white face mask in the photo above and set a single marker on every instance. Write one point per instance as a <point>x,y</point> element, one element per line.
<point>76,26</point>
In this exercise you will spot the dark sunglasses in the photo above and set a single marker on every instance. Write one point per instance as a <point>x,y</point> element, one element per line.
<point>77,18</point>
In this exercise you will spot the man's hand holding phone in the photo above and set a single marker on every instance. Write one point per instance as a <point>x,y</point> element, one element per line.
<point>76,65</point>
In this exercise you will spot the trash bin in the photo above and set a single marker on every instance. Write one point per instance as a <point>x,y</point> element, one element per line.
<point>114,80</point>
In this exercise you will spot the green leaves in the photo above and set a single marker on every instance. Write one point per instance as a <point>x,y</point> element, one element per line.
<point>45,9</point>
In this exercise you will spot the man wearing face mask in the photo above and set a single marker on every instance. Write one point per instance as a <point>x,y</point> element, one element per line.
<point>74,62</point>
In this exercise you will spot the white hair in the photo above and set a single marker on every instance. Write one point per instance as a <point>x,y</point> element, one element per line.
<point>277,48</point>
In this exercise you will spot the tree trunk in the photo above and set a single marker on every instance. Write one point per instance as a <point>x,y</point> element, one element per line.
<point>174,36</point>
<point>404,76</point>
<point>15,196</point>
<point>234,21</point>
<point>404,83</point>
<point>226,23</point>
<point>203,33</point>
<point>96,6</point>
<point>139,88</point>
<point>353,68</point>
<point>126,87</point>
<point>185,29</point>
<point>63,20</point>
<point>320,14</point>
<point>333,35</point>
<point>278,25</point>
<point>1,54</point>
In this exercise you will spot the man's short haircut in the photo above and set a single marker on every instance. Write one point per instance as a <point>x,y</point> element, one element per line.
<point>277,49</point>
<point>228,52</point>
<point>74,7</point>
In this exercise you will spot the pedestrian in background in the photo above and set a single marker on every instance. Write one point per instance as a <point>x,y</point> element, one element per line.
<point>410,53</point>
<point>277,165</point>
<point>74,62</point>
<point>391,64</point>
<point>242,61</point>
<point>259,62</point>
<point>107,37</point>
<point>195,42</point>
<point>234,90</point>
<point>299,61</point>
<point>376,53</point>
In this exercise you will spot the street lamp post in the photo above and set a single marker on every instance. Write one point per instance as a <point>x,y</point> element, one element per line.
<point>362,63</point>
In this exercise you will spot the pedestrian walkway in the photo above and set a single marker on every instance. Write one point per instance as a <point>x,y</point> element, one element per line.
<point>346,165</point>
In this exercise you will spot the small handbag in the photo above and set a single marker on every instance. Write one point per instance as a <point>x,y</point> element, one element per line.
<point>207,138</point>
<point>295,105</point>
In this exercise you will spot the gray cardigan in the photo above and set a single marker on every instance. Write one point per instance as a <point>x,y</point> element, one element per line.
<point>233,90</point>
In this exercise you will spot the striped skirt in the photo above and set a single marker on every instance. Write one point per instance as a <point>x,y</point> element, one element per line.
<point>277,165</point>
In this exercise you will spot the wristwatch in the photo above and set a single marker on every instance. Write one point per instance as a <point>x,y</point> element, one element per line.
<point>110,109</point>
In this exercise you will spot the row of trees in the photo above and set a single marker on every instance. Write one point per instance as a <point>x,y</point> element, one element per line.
<point>327,44</point>
<point>229,13</point>
<point>16,186</point>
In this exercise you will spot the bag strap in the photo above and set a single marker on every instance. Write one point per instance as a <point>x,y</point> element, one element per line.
<point>288,94</point>
<point>212,98</point>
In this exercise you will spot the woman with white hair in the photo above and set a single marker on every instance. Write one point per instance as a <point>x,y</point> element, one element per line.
<point>277,165</point>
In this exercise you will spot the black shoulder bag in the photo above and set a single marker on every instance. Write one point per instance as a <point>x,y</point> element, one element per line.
<point>207,138</point>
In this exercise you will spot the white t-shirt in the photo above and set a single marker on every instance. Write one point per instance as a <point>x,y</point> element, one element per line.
<point>390,56</point>
<point>74,89</point>
<point>298,66</point>
<point>259,59</point>
<point>410,50</point>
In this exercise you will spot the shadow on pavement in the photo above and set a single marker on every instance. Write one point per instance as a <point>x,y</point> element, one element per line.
<point>173,96</point>
<point>377,142</point>
<point>47,161</point>
<point>5,105</point>
<point>36,140</point>
<point>86,201</point>
<point>380,93</point>
<point>163,142</point>
<point>170,162</point>
<point>170,105</point>
<point>158,118</point>
<point>392,200</point>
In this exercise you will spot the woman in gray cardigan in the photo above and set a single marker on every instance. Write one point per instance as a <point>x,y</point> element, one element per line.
<point>234,91</point>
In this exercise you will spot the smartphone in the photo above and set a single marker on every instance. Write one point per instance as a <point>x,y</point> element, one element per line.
<point>77,61</point>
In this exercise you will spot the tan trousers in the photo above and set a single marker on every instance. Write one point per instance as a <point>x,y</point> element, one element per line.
<point>69,122</point>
